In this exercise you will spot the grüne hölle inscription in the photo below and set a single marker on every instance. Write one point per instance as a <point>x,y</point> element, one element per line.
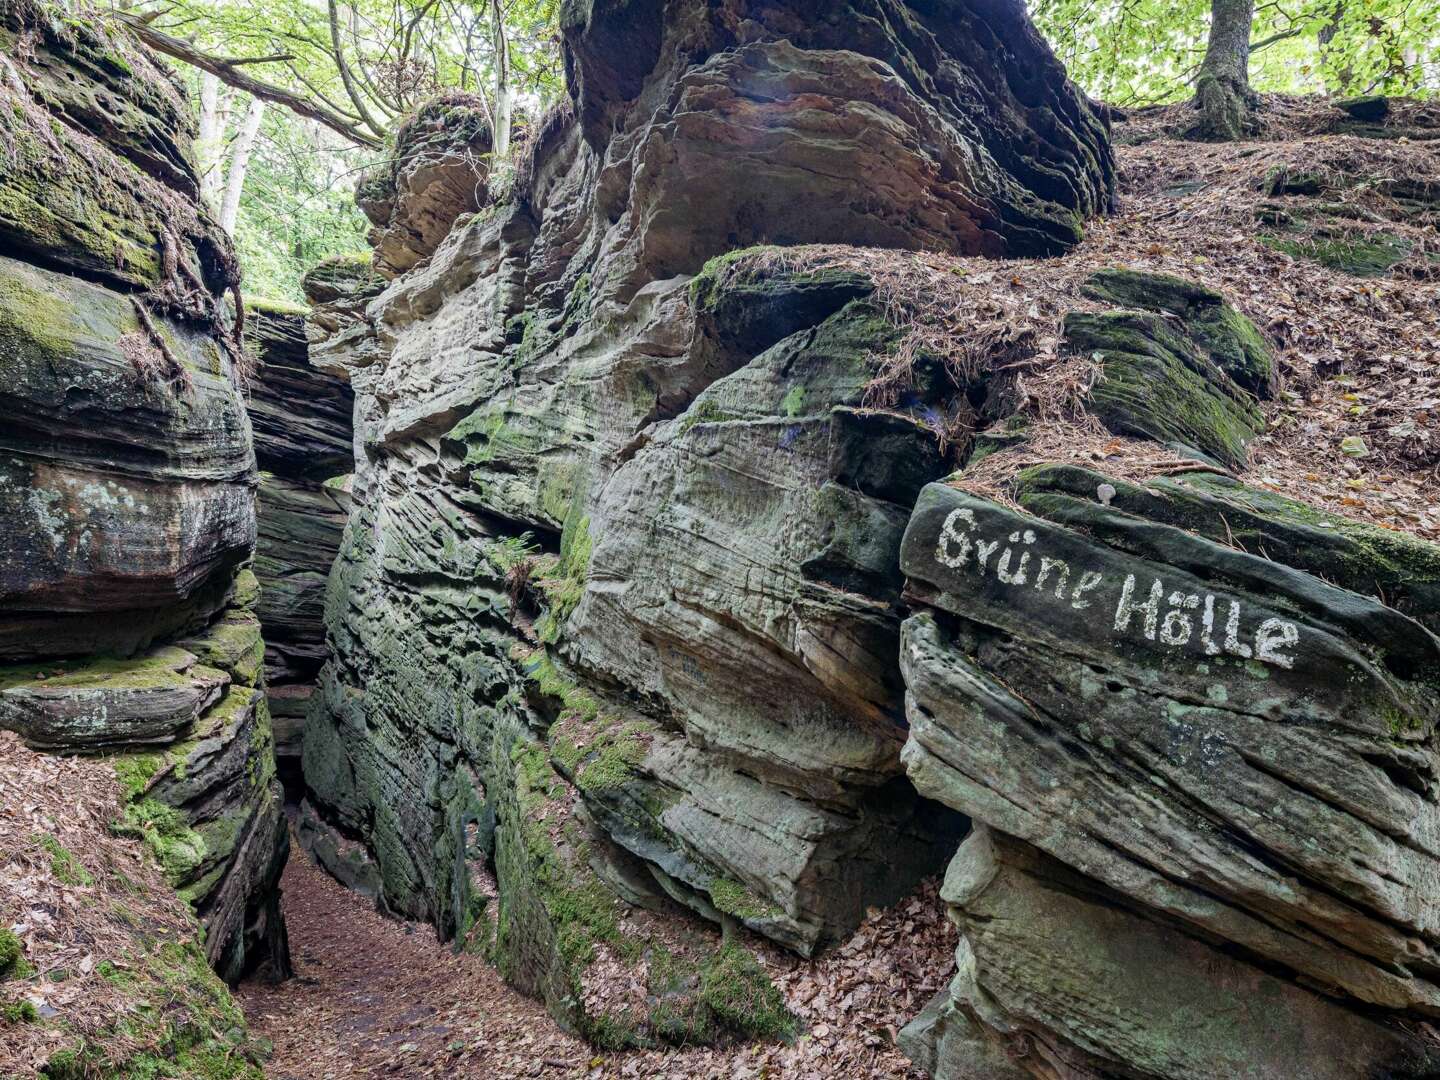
<point>1173,618</point>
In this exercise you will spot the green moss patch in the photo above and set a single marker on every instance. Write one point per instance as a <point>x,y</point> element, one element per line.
<point>167,833</point>
<point>12,954</point>
<point>733,898</point>
<point>68,869</point>
<point>736,989</point>
<point>183,1021</point>
<point>1363,255</point>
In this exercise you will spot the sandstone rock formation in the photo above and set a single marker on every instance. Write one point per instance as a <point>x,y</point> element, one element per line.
<point>301,420</point>
<point>127,475</point>
<point>1211,749</point>
<point>1197,722</point>
<point>436,173</point>
<point>617,608</point>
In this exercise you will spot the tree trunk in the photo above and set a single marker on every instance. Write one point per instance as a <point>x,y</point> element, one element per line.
<point>207,146</point>
<point>1222,89</point>
<point>1342,78</point>
<point>240,151</point>
<point>504,93</point>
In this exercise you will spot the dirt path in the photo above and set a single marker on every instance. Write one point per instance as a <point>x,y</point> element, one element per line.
<point>373,997</point>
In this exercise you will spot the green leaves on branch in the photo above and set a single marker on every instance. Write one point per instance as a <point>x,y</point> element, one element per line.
<point>1136,52</point>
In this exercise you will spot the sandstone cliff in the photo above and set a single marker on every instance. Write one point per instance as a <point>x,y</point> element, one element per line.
<point>683,575</point>
<point>301,420</point>
<point>127,476</point>
<point>615,620</point>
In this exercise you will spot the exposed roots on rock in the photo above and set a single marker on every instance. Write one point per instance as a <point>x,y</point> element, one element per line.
<point>161,364</point>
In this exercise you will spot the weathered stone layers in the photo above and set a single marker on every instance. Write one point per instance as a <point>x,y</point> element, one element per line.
<point>1215,752</point>
<point>616,613</point>
<point>127,475</point>
<point>869,122</point>
<point>302,423</point>
<point>125,465</point>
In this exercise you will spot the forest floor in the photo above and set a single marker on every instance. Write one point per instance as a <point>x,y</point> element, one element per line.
<point>376,997</point>
<point>1355,425</point>
<point>373,996</point>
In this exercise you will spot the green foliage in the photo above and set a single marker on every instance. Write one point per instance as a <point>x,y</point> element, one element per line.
<point>735,988</point>
<point>563,581</point>
<point>297,206</point>
<point>1132,52</point>
<point>297,203</point>
<point>618,749</point>
<point>19,1012</point>
<point>12,954</point>
<point>733,898</point>
<point>135,771</point>
<point>706,412</point>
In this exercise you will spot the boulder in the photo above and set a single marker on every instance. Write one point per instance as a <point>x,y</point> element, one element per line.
<point>127,472</point>
<point>1058,977</point>
<point>117,703</point>
<point>838,103</point>
<point>1227,751</point>
<point>128,499</point>
<point>437,173</point>
<point>1385,564</point>
<point>1179,365</point>
<point>1229,339</point>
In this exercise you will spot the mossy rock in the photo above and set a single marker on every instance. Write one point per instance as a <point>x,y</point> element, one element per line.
<point>232,643</point>
<point>1230,339</point>
<point>1401,569</point>
<point>1350,252</point>
<point>1159,384</point>
<point>342,277</point>
<point>746,305</point>
<point>108,703</point>
<point>1368,108</point>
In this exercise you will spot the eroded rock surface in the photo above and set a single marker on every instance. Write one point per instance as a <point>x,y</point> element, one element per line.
<point>1224,750</point>
<point>617,609</point>
<point>303,445</point>
<point>127,474</point>
<point>437,173</point>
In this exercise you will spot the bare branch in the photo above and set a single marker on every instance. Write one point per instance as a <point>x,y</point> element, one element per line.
<point>346,78</point>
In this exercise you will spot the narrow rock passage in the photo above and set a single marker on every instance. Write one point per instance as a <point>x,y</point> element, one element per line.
<point>375,997</point>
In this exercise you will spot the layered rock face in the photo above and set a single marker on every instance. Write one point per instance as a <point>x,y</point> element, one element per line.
<point>127,475</point>
<point>617,610</point>
<point>1198,723</point>
<point>301,420</point>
